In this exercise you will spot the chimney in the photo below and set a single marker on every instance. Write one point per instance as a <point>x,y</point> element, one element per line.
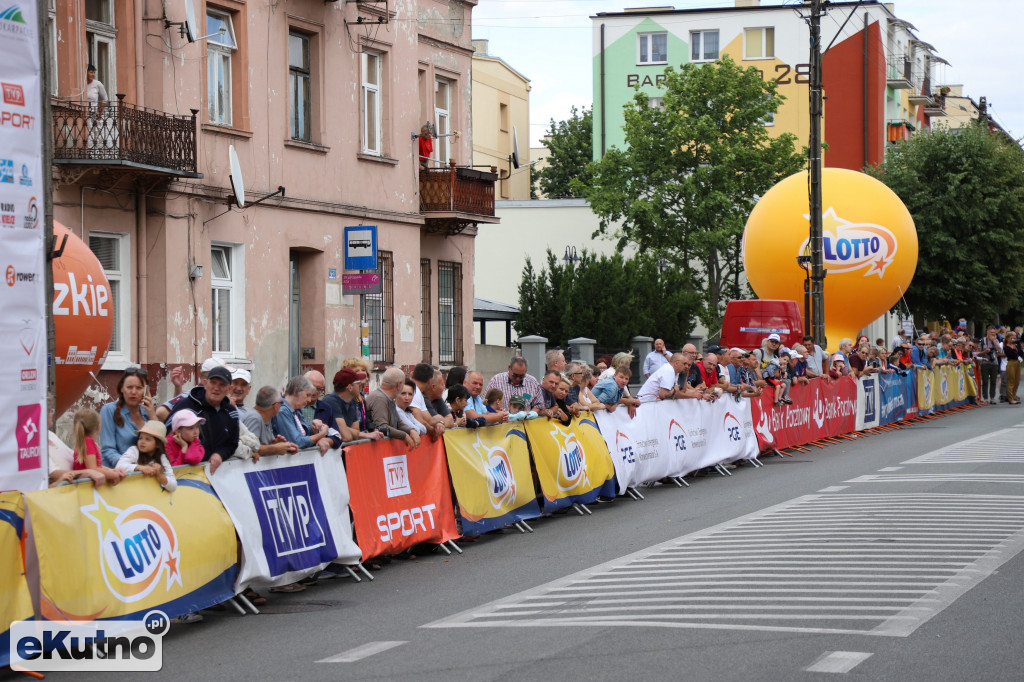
<point>480,46</point>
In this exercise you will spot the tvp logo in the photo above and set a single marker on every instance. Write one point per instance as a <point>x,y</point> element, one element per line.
<point>396,476</point>
<point>293,522</point>
<point>137,546</point>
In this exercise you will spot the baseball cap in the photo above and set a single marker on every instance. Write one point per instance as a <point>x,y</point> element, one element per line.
<point>347,376</point>
<point>774,337</point>
<point>517,400</point>
<point>210,363</point>
<point>185,418</point>
<point>220,372</point>
<point>155,429</point>
<point>794,354</point>
<point>242,374</point>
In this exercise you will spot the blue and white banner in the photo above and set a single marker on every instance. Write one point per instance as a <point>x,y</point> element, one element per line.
<point>675,437</point>
<point>897,397</point>
<point>867,402</point>
<point>290,513</point>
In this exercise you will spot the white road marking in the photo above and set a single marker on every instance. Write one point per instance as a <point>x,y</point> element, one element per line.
<point>361,652</point>
<point>941,478</point>
<point>891,469</point>
<point>838,661</point>
<point>1004,446</point>
<point>833,488</point>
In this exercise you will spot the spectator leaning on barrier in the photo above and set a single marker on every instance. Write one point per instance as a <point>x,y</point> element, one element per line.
<point>289,422</point>
<point>436,405</point>
<point>178,381</point>
<point>423,375</point>
<point>919,353</point>
<point>120,420</point>
<point>548,384</point>
<point>402,402</point>
<point>349,411</point>
<point>798,365</point>
<point>817,358</point>
<point>476,408</point>
<point>663,383</point>
<point>517,382</point>
<point>260,422</point>
<point>381,409</point>
<point>586,399</point>
<point>610,391</point>
<point>769,350</point>
<point>859,361</point>
<point>657,358</point>
<point>219,433</point>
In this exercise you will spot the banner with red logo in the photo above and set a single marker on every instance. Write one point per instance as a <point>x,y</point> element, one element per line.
<point>23,291</point>
<point>116,552</point>
<point>15,602</point>
<point>573,463</point>
<point>820,409</point>
<point>400,497</point>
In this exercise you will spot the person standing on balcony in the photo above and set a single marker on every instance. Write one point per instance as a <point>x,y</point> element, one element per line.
<point>426,144</point>
<point>95,93</point>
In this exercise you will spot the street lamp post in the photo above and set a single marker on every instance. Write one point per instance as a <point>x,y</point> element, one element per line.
<point>805,263</point>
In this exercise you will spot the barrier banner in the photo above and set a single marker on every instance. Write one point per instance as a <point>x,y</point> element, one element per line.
<point>867,401</point>
<point>573,463</point>
<point>492,477</point>
<point>114,553</point>
<point>820,409</point>
<point>291,515</point>
<point>15,602</point>
<point>400,497</point>
<point>675,437</point>
<point>897,397</point>
<point>944,387</point>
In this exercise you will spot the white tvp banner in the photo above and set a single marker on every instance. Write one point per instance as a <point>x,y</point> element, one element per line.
<point>675,437</point>
<point>291,515</point>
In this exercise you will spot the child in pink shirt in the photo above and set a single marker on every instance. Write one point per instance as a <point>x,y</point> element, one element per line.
<point>184,446</point>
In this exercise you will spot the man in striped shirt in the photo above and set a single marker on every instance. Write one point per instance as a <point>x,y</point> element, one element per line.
<point>517,382</point>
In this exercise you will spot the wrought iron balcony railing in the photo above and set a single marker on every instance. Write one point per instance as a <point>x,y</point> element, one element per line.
<point>457,190</point>
<point>124,134</point>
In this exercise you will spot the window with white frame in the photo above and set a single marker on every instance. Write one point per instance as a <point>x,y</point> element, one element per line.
<point>371,68</point>
<point>759,43</point>
<point>226,299</point>
<point>652,48</point>
<point>703,46</point>
<point>299,86</point>
<point>442,118</point>
<point>100,34</point>
<point>111,250</point>
<point>220,46</point>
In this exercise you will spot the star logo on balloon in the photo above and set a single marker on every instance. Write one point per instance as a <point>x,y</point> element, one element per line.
<point>849,246</point>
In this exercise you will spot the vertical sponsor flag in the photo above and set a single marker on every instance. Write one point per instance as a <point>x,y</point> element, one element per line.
<point>115,553</point>
<point>570,467</point>
<point>15,603</point>
<point>491,474</point>
<point>400,497</point>
<point>23,285</point>
<point>291,515</point>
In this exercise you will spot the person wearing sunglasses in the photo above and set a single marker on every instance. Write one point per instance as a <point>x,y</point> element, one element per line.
<point>122,418</point>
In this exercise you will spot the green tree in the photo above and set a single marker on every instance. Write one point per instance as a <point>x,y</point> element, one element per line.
<point>965,189</point>
<point>692,173</point>
<point>570,149</point>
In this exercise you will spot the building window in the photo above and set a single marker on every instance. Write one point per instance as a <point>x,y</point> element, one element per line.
<point>442,119</point>
<point>225,303</point>
<point>425,332</point>
<point>703,46</point>
<point>111,251</point>
<point>371,103</point>
<point>652,48</point>
<point>379,312</point>
<point>220,46</point>
<point>100,33</point>
<point>503,118</point>
<point>299,86</point>
<point>449,312</point>
<point>759,43</point>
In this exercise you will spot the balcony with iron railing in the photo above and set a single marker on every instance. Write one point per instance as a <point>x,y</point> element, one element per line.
<point>452,198</point>
<point>898,73</point>
<point>124,135</point>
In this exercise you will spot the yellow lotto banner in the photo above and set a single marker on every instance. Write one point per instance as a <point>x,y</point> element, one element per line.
<point>116,552</point>
<point>491,475</point>
<point>573,462</point>
<point>15,602</point>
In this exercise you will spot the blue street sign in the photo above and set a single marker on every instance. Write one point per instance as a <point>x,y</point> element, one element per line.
<point>361,247</point>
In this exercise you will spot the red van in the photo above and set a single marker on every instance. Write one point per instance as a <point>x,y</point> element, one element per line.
<point>747,323</point>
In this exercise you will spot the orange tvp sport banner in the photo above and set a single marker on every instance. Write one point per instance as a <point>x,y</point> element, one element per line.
<point>399,497</point>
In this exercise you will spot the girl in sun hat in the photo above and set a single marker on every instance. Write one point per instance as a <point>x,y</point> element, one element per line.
<point>148,456</point>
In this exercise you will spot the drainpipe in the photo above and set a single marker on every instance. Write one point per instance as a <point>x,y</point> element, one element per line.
<point>865,89</point>
<point>141,240</point>
<point>603,121</point>
<point>140,45</point>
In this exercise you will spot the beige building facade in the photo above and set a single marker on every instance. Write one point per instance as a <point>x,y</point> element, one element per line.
<point>501,105</point>
<point>321,103</point>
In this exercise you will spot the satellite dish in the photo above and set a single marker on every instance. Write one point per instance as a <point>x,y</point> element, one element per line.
<point>237,183</point>
<point>190,28</point>
<point>515,148</point>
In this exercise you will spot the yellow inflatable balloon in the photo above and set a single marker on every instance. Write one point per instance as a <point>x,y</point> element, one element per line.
<point>869,239</point>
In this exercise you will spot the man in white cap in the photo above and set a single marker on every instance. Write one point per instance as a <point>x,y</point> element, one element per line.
<point>769,350</point>
<point>241,383</point>
<point>177,377</point>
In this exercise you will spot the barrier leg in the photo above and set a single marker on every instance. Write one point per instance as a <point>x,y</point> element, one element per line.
<point>362,569</point>
<point>241,598</point>
<point>634,493</point>
<point>446,550</point>
<point>352,573</point>
<point>680,481</point>
<point>582,509</point>
<point>722,470</point>
<point>236,606</point>
<point>525,525</point>
<point>451,543</point>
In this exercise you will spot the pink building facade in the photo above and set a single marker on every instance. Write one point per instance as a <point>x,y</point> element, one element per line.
<point>322,99</point>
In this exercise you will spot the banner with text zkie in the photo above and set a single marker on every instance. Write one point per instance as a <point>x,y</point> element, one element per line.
<point>492,477</point>
<point>115,552</point>
<point>291,515</point>
<point>820,409</point>
<point>400,497</point>
<point>573,463</point>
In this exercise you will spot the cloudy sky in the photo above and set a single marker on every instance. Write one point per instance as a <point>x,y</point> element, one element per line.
<point>549,42</point>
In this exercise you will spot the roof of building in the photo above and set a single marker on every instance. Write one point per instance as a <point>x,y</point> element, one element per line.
<point>485,309</point>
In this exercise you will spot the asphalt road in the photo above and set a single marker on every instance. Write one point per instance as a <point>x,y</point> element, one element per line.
<point>847,560</point>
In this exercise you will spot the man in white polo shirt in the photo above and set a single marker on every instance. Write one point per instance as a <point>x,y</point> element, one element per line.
<point>663,384</point>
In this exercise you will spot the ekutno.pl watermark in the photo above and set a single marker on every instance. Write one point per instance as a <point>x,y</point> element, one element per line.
<point>102,646</point>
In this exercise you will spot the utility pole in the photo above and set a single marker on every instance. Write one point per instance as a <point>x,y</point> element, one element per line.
<point>814,186</point>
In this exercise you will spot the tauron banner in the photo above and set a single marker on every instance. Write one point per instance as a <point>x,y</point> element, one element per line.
<point>573,462</point>
<point>675,437</point>
<point>820,409</point>
<point>400,497</point>
<point>291,515</point>
<point>15,602</point>
<point>23,291</point>
<point>492,477</point>
<point>116,552</point>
